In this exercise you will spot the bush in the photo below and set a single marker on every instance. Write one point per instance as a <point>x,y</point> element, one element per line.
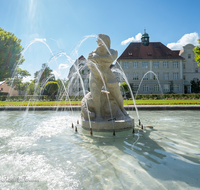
<point>167,96</point>
<point>23,98</point>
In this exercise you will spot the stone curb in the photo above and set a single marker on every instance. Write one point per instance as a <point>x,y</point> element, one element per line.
<point>78,108</point>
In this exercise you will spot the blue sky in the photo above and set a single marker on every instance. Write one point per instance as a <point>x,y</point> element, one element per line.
<point>63,24</point>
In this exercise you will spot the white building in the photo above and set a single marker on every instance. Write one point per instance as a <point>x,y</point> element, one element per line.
<point>174,69</point>
<point>78,75</point>
<point>190,68</point>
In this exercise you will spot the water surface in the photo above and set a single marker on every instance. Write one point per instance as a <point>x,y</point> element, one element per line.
<point>39,150</point>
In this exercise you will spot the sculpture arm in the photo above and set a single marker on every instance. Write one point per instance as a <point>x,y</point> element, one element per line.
<point>103,58</point>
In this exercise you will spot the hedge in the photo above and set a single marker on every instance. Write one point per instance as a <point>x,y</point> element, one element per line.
<point>80,97</point>
<point>23,98</point>
<point>166,96</point>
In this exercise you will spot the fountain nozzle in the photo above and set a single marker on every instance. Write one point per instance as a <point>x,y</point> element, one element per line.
<point>139,122</point>
<point>133,130</point>
<point>113,132</point>
<point>76,130</point>
<point>72,126</point>
<point>77,121</point>
<point>142,127</point>
<point>91,131</point>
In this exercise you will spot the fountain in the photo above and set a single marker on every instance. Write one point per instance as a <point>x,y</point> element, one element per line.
<point>103,110</point>
<point>44,150</point>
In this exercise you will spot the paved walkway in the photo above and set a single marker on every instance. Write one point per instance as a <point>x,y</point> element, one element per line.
<point>78,108</point>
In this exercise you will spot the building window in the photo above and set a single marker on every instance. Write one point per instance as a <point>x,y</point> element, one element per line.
<point>166,76</point>
<point>196,70</point>
<point>135,76</point>
<point>155,65</point>
<point>125,65</point>
<point>165,64</point>
<point>146,77</point>
<point>144,64</point>
<point>145,88</point>
<point>176,88</point>
<point>175,76</point>
<point>86,80</point>
<point>166,87</point>
<point>135,88</point>
<point>184,78</point>
<point>156,87</point>
<point>135,65</point>
<point>189,56</point>
<point>184,66</point>
<point>175,64</point>
<point>155,77</point>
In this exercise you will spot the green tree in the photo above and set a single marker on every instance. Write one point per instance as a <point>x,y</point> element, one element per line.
<point>195,85</point>
<point>17,79</point>
<point>10,53</point>
<point>31,87</point>
<point>44,73</point>
<point>124,88</point>
<point>51,89</point>
<point>197,53</point>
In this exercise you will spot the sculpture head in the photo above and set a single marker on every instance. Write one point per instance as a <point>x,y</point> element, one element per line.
<point>103,39</point>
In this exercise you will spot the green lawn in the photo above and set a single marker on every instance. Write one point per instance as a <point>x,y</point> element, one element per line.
<point>164,102</point>
<point>78,103</point>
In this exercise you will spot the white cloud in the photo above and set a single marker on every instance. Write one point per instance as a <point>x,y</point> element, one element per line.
<point>63,66</point>
<point>56,73</point>
<point>27,79</point>
<point>137,38</point>
<point>191,38</point>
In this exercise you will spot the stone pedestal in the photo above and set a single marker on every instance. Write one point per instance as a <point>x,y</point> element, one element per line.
<point>109,126</point>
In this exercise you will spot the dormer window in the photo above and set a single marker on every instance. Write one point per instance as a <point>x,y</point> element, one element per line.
<point>189,56</point>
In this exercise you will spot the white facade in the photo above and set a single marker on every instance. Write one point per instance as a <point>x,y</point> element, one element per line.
<point>79,77</point>
<point>190,68</point>
<point>173,74</point>
<point>154,76</point>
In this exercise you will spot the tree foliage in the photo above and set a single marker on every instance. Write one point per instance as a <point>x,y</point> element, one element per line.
<point>51,89</point>
<point>124,87</point>
<point>10,52</point>
<point>197,53</point>
<point>44,74</point>
<point>195,85</point>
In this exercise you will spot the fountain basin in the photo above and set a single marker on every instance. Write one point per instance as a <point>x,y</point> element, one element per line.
<point>109,126</point>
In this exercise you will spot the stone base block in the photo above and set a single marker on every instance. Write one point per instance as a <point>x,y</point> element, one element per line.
<point>109,126</point>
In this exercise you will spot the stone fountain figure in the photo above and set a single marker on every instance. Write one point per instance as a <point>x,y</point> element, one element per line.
<point>104,109</point>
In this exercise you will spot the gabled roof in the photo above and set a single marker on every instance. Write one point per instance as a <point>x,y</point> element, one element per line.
<point>1,82</point>
<point>81,57</point>
<point>155,50</point>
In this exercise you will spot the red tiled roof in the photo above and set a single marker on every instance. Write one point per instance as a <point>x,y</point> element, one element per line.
<point>155,50</point>
<point>81,57</point>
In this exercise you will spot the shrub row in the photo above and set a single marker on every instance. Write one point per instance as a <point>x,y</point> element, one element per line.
<point>4,93</point>
<point>172,103</point>
<point>166,96</point>
<point>80,97</point>
<point>23,98</point>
